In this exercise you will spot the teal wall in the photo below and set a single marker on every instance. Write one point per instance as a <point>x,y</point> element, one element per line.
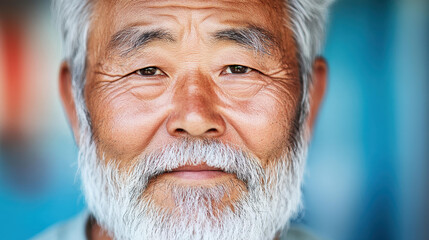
<point>368,167</point>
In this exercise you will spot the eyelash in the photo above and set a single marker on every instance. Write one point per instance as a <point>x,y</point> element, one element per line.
<point>229,67</point>
<point>159,72</point>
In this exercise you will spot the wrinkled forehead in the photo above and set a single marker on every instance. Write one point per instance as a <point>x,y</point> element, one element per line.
<point>181,17</point>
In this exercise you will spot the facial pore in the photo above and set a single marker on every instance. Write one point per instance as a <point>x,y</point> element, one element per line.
<point>167,121</point>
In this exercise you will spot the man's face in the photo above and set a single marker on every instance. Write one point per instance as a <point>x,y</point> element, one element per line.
<point>194,109</point>
<point>159,71</point>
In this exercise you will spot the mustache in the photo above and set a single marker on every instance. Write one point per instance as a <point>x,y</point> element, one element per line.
<point>185,152</point>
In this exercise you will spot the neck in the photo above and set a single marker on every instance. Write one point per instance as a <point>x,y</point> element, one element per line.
<point>95,232</point>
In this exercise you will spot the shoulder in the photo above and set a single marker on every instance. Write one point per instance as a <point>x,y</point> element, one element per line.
<point>298,233</point>
<point>73,229</point>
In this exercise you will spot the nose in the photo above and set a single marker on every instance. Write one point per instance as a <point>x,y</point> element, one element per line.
<point>195,111</point>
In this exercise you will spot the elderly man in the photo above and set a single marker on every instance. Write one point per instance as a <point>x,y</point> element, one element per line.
<point>192,117</point>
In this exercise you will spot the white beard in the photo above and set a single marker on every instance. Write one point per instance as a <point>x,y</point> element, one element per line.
<point>117,201</point>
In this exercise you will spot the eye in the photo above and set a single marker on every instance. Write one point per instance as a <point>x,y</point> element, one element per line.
<point>149,71</point>
<point>237,69</point>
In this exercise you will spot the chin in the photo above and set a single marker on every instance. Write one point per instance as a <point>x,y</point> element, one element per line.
<point>171,195</point>
<point>176,193</point>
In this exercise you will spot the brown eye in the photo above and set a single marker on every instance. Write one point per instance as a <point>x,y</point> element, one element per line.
<point>149,71</point>
<point>237,69</point>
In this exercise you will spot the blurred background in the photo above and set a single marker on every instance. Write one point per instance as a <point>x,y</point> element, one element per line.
<point>368,167</point>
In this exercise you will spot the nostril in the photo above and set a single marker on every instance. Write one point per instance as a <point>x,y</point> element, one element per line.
<point>212,130</point>
<point>180,130</point>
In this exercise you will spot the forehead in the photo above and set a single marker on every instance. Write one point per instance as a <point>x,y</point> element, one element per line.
<point>111,16</point>
<point>260,10</point>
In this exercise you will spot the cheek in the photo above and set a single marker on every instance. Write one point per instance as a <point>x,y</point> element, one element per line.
<point>265,122</point>
<point>123,124</point>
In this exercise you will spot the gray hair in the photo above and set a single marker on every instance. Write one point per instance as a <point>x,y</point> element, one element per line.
<point>307,21</point>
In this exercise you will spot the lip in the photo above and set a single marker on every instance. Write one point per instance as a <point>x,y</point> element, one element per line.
<point>196,172</point>
<point>195,168</point>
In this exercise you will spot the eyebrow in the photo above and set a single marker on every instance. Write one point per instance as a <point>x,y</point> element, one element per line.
<point>252,37</point>
<point>131,39</point>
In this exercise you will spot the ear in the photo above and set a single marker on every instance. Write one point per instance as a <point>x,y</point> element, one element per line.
<point>66,93</point>
<point>317,90</point>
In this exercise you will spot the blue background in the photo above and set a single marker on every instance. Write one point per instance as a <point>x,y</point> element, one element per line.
<point>368,168</point>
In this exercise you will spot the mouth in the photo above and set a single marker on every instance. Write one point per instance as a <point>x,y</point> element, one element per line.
<point>196,172</point>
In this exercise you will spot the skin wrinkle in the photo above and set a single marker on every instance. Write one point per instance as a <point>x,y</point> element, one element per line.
<point>126,123</point>
<point>129,40</point>
<point>111,98</point>
<point>233,7</point>
<point>112,78</point>
<point>105,68</point>
<point>254,37</point>
<point>258,112</point>
<point>270,93</point>
<point>111,95</point>
<point>139,96</point>
<point>280,86</point>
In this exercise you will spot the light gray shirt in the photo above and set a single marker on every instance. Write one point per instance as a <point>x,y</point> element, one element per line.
<point>75,229</point>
